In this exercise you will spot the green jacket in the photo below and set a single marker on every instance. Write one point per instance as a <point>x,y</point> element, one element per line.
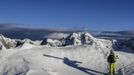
<point>112,58</point>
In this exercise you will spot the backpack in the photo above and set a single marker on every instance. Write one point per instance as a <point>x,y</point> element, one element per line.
<point>111,59</point>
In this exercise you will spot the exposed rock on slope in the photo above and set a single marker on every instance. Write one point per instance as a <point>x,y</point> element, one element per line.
<point>2,47</point>
<point>79,39</point>
<point>51,42</point>
<point>7,42</point>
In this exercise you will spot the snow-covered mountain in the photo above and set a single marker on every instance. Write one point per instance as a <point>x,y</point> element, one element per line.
<point>125,45</point>
<point>79,39</point>
<point>51,42</point>
<point>2,47</point>
<point>130,43</point>
<point>78,54</point>
<point>7,42</point>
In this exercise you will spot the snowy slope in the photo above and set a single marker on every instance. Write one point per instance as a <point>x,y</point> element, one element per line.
<point>59,61</point>
<point>45,59</point>
<point>84,59</point>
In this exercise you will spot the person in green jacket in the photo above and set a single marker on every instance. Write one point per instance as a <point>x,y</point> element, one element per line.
<point>112,59</point>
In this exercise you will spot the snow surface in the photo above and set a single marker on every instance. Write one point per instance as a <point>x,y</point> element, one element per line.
<point>74,59</point>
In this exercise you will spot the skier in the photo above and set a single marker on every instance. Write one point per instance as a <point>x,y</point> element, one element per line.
<point>111,60</point>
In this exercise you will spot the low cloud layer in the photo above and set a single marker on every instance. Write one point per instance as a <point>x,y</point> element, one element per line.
<point>5,25</point>
<point>20,32</point>
<point>58,35</point>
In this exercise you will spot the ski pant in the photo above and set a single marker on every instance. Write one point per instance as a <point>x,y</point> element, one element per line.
<point>112,68</point>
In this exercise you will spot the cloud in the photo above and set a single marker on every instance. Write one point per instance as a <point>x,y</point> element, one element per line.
<point>7,25</point>
<point>21,31</point>
<point>4,25</point>
<point>57,35</point>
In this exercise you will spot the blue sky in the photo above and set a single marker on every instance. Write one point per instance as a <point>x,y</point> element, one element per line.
<point>112,15</point>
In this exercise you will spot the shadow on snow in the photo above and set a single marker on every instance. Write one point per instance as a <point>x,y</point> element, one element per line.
<point>75,64</point>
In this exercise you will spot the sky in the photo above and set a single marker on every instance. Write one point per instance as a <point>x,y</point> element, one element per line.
<point>100,15</point>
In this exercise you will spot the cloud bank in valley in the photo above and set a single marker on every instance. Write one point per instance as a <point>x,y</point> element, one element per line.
<point>21,31</point>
